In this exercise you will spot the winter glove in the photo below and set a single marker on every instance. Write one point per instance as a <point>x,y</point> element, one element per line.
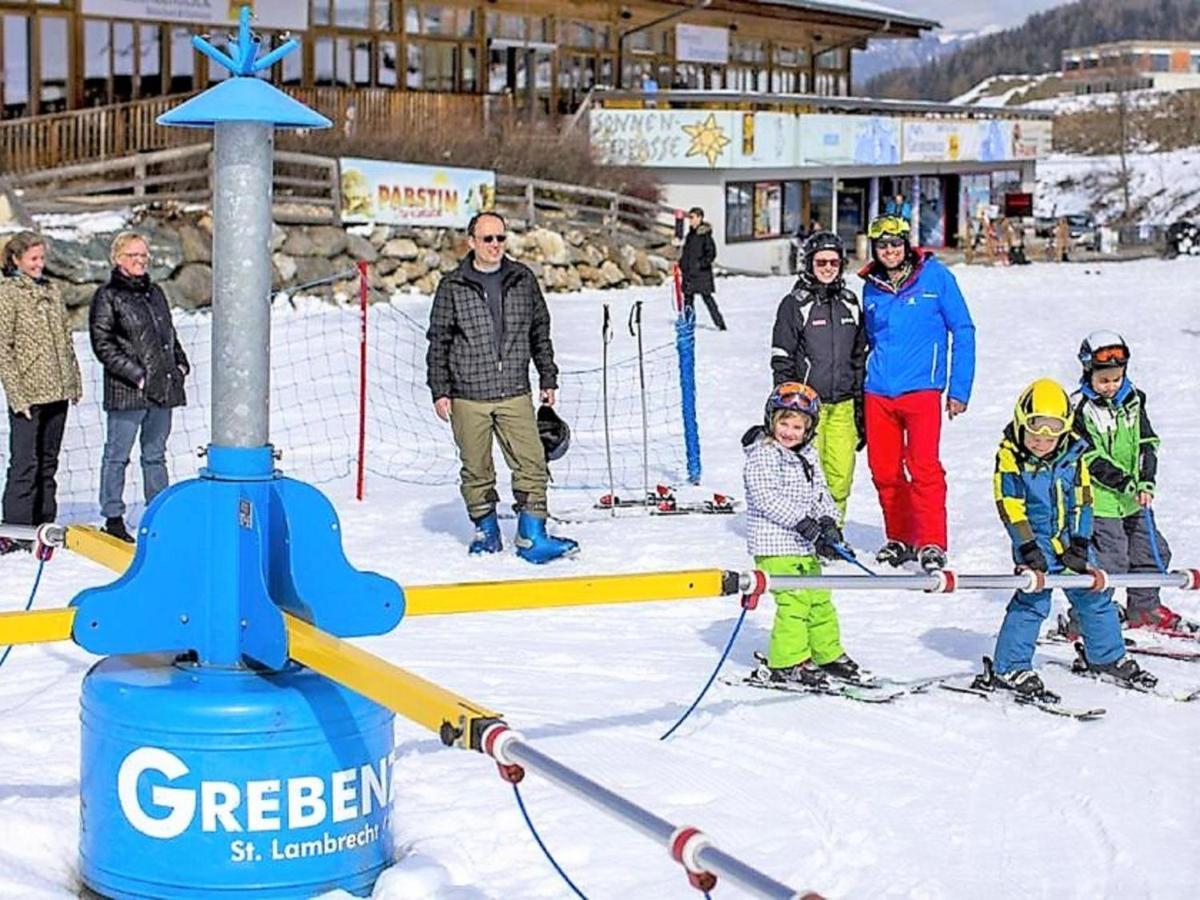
<point>860,423</point>
<point>1032,557</point>
<point>809,529</point>
<point>829,541</point>
<point>1075,557</point>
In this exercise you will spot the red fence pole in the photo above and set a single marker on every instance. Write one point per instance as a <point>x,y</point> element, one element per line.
<point>362,378</point>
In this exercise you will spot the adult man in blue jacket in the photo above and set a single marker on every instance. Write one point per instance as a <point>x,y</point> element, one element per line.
<point>922,341</point>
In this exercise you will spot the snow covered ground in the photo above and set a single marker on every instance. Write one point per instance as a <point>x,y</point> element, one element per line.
<point>934,796</point>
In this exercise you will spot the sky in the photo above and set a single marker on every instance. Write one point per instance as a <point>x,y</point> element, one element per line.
<point>959,15</point>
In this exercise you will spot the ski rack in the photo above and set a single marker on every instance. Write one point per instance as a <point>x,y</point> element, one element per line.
<point>457,721</point>
<point>948,581</point>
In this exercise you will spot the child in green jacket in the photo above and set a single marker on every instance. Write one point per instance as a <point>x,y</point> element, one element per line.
<point>1122,457</point>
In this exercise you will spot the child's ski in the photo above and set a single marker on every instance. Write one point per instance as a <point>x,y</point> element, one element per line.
<point>832,689</point>
<point>664,502</point>
<point>1149,685</point>
<point>1053,707</point>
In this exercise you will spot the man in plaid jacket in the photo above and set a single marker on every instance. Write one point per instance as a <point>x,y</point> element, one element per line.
<point>488,320</point>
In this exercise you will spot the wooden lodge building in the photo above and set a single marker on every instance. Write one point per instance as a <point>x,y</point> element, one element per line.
<point>63,55</point>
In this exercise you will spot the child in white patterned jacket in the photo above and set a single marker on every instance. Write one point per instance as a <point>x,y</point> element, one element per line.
<point>791,520</point>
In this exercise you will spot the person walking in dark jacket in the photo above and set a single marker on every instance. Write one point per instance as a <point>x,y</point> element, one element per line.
<point>819,340</point>
<point>488,320</point>
<point>144,368</point>
<point>40,375</point>
<point>696,266</point>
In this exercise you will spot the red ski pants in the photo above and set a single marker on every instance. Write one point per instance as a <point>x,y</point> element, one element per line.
<point>903,434</point>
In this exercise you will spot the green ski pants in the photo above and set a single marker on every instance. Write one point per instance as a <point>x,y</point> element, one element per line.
<point>836,441</point>
<point>514,425</point>
<point>806,624</point>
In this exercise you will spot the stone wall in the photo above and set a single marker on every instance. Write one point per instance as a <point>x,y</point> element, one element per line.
<point>401,259</point>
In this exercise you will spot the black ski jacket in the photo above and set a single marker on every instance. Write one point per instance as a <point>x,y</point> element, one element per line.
<point>463,362</point>
<point>819,339</point>
<point>134,338</point>
<point>696,260</point>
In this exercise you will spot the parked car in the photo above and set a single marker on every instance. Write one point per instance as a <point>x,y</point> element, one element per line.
<point>1043,226</point>
<point>1083,230</point>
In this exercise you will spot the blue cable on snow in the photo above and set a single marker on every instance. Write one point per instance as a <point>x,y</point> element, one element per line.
<point>538,838</point>
<point>37,579</point>
<point>712,677</point>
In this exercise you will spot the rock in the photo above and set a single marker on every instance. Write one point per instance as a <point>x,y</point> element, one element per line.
<point>429,237</point>
<point>310,268</point>
<point>660,263</point>
<point>551,278</point>
<point>572,281</point>
<point>415,270</point>
<point>447,262</point>
<point>285,266</point>
<point>401,248</point>
<point>589,275</point>
<point>196,244</point>
<point>299,243</point>
<point>578,256</point>
<point>611,274</point>
<point>191,288</point>
<point>166,251</point>
<point>594,255</point>
<point>427,284</point>
<point>327,240</point>
<point>76,295</point>
<point>641,263</point>
<point>538,270</point>
<point>380,235</point>
<point>517,245</point>
<point>386,265</point>
<point>551,246</point>
<point>77,318</point>
<point>432,259</point>
<point>360,247</point>
<point>575,237</point>
<point>81,262</point>
<point>625,256</point>
<point>279,235</point>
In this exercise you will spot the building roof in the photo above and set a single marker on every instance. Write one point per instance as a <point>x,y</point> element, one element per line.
<point>859,8</point>
<point>1145,44</point>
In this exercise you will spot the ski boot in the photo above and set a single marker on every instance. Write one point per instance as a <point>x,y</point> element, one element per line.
<point>932,558</point>
<point>115,526</point>
<point>843,669</point>
<point>895,554</point>
<point>536,546</point>
<point>1124,669</point>
<point>806,674</point>
<point>1161,618</point>
<point>1067,627</point>
<point>487,536</point>
<point>1024,683</point>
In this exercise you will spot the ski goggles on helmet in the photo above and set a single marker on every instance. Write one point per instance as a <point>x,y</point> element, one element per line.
<point>1116,355</point>
<point>1047,426</point>
<point>888,226</point>
<point>792,395</point>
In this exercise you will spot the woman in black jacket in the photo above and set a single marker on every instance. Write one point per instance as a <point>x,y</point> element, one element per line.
<point>144,367</point>
<point>696,266</point>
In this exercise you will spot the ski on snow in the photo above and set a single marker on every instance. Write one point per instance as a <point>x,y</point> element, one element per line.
<point>1044,704</point>
<point>868,689</point>
<point>1059,635</point>
<point>1079,667</point>
<point>662,501</point>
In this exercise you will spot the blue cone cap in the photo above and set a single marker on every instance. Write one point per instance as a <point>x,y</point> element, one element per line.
<point>243,99</point>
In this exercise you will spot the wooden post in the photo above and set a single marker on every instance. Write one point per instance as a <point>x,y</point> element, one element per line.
<point>531,206</point>
<point>139,176</point>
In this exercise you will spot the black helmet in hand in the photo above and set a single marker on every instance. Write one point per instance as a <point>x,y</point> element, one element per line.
<point>554,432</point>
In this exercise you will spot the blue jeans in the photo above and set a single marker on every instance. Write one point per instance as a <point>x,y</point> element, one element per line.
<point>123,426</point>
<point>1098,624</point>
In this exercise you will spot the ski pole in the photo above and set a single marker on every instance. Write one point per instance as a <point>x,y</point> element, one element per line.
<point>848,555</point>
<point>606,337</point>
<point>635,318</point>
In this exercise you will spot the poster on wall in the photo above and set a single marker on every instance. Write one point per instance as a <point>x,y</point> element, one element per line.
<point>768,208</point>
<point>1032,138</point>
<point>677,138</point>
<point>702,44</point>
<point>391,193</point>
<point>848,140</point>
<point>956,141</point>
<point>288,14</point>
<point>768,140</point>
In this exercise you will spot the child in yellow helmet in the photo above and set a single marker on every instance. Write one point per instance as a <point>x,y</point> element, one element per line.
<point>1043,492</point>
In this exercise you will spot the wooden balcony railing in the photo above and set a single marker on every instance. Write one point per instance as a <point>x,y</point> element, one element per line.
<point>107,132</point>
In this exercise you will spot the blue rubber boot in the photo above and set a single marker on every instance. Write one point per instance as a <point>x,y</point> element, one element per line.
<point>487,536</point>
<point>536,546</point>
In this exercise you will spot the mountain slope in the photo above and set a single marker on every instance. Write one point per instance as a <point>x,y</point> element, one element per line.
<point>1036,46</point>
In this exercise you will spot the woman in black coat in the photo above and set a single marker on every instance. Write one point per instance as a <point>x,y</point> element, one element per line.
<point>696,266</point>
<point>144,368</point>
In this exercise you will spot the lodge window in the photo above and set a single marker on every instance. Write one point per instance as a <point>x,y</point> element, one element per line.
<point>1160,62</point>
<point>832,77</point>
<point>583,60</point>
<point>739,212</point>
<point>758,210</point>
<point>748,66</point>
<point>790,70</point>
<point>435,60</point>
<point>16,62</point>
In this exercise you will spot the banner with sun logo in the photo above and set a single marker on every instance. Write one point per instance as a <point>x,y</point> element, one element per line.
<point>391,193</point>
<point>676,138</point>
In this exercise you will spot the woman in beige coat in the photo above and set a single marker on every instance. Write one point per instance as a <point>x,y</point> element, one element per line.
<point>40,376</point>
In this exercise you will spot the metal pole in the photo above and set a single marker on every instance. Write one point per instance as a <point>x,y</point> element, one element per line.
<point>934,583</point>
<point>241,330</point>
<point>713,860</point>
